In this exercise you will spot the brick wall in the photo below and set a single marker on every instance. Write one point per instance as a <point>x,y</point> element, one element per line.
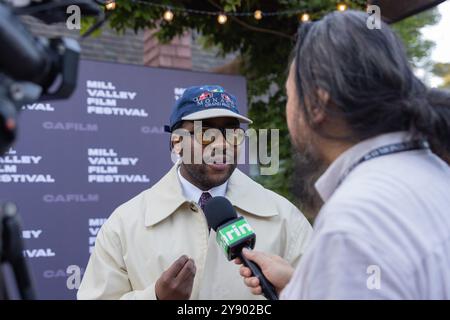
<point>108,46</point>
<point>176,54</point>
<point>142,48</point>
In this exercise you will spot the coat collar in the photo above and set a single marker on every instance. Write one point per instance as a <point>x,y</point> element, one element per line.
<point>166,197</point>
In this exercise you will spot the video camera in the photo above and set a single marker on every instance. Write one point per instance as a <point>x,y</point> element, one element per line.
<point>31,68</point>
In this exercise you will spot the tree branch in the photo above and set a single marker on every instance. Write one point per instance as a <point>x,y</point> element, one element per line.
<point>253,28</point>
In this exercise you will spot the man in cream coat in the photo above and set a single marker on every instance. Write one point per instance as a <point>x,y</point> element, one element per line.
<point>158,245</point>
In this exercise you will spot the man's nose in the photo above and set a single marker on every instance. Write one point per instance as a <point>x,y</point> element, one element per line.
<point>219,142</point>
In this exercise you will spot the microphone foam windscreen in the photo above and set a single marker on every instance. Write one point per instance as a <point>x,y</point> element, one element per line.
<point>219,210</point>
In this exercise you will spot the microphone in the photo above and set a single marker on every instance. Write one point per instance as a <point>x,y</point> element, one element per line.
<point>233,233</point>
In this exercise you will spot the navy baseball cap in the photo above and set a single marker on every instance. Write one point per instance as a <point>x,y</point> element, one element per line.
<point>204,102</point>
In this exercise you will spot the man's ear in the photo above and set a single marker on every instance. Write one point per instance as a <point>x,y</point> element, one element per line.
<point>317,111</point>
<point>175,141</point>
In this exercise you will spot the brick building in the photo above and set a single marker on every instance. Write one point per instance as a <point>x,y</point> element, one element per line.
<point>142,48</point>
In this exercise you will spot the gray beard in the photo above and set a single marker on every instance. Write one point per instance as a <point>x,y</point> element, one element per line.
<point>308,167</point>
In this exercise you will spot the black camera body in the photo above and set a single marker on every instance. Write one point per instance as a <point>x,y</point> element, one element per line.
<point>31,68</point>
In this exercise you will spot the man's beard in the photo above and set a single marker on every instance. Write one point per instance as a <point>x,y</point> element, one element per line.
<point>308,167</point>
<point>203,180</point>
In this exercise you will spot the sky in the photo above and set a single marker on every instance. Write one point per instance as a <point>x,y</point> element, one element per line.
<point>440,34</point>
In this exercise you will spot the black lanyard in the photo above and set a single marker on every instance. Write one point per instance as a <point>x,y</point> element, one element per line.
<point>386,150</point>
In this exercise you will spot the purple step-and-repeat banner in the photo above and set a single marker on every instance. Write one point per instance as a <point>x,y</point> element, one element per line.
<point>76,160</point>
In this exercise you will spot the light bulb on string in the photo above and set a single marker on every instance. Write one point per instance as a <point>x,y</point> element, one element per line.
<point>222,18</point>
<point>168,15</point>
<point>258,14</point>
<point>305,17</point>
<point>342,7</point>
<point>110,5</point>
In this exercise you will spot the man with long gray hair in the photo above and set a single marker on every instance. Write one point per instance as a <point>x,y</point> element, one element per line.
<point>363,123</point>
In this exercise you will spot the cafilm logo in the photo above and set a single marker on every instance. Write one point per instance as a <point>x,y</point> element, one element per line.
<point>73,273</point>
<point>236,231</point>
<point>152,130</point>
<point>67,198</point>
<point>59,273</point>
<point>70,126</point>
<point>63,273</point>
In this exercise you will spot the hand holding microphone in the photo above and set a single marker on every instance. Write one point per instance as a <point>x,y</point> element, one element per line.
<point>234,234</point>
<point>277,270</point>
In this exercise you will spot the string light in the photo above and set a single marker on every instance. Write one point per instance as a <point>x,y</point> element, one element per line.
<point>342,7</point>
<point>168,15</point>
<point>222,18</point>
<point>305,17</point>
<point>287,12</point>
<point>110,5</point>
<point>258,14</point>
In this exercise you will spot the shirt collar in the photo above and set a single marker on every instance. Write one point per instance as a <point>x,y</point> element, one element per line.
<point>193,193</point>
<point>166,197</point>
<point>328,181</point>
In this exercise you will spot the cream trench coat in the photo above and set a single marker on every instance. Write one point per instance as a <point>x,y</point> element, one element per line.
<point>145,235</point>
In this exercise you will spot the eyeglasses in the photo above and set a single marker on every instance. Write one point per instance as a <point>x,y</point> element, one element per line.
<point>205,136</point>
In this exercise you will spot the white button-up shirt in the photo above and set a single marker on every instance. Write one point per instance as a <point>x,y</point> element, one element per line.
<point>384,233</point>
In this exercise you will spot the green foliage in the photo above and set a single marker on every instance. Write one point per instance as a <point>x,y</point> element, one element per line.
<point>417,48</point>
<point>443,70</point>
<point>264,47</point>
<point>86,23</point>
